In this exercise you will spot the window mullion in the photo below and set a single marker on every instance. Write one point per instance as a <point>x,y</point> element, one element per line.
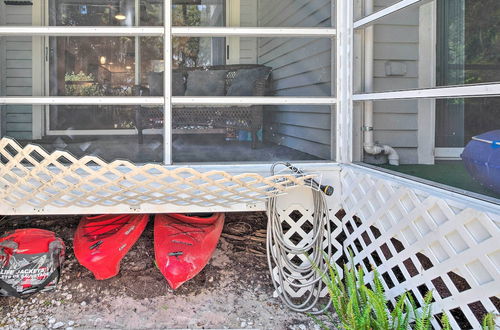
<point>167,81</point>
<point>78,31</point>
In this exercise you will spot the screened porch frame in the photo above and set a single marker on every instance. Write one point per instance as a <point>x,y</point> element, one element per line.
<point>341,35</point>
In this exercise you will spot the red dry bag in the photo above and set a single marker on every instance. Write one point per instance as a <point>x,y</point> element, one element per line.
<point>30,261</point>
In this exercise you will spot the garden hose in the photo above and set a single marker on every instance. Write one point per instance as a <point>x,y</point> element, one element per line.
<point>280,251</point>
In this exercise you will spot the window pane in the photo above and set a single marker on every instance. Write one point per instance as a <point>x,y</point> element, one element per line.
<point>105,13</point>
<point>254,67</point>
<point>252,13</point>
<point>430,143</point>
<point>103,66</point>
<point>406,55</point>
<point>109,132</point>
<point>229,133</point>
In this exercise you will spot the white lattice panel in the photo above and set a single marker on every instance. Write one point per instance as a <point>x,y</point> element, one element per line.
<point>296,213</point>
<point>35,181</point>
<point>419,242</point>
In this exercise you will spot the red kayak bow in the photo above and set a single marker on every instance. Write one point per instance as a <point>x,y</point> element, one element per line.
<point>184,244</point>
<point>101,242</point>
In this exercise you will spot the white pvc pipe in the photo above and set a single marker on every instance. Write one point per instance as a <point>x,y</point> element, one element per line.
<point>368,141</point>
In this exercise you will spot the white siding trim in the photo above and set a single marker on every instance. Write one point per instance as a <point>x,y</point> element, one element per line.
<point>3,66</point>
<point>448,153</point>
<point>233,22</point>
<point>252,31</point>
<point>344,148</point>
<point>38,66</point>
<point>80,31</point>
<point>481,90</point>
<point>176,100</point>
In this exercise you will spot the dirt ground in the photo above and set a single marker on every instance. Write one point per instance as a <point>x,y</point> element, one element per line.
<point>234,290</point>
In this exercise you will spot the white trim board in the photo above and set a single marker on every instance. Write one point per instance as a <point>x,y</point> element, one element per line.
<point>480,90</point>
<point>448,153</point>
<point>177,100</point>
<point>75,31</point>
<point>233,31</point>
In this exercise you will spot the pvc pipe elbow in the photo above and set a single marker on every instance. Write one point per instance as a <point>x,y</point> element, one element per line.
<point>392,155</point>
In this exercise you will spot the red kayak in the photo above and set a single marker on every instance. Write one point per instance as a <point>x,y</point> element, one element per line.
<point>102,241</point>
<point>185,243</point>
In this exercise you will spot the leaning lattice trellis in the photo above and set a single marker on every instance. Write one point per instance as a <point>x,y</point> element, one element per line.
<point>420,242</point>
<point>31,176</point>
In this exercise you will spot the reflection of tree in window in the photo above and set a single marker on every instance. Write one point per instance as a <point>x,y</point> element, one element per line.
<point>189,51</point>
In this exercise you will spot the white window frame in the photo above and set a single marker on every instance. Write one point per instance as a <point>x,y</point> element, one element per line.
<point>167,32</point>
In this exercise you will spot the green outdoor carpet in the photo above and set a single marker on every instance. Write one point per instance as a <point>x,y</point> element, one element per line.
<point>451,173</point>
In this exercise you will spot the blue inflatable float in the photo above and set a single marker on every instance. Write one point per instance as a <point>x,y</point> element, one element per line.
<point>481,157</point>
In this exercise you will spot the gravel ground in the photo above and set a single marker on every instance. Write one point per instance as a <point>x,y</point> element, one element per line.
<point>233,291</point>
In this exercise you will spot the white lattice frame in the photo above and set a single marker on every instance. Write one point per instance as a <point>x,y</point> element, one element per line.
<point>300,199</point>
<point>455,237</point>
<point>35,181</point>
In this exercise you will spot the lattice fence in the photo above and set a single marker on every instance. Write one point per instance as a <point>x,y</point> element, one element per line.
<point>420,242</point>
<point>32,177</point>
<point>296,212</point>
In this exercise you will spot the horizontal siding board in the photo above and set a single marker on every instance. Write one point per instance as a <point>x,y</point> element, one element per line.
<point>18,117</point>
<point>283,46</point>
<point>18,10</point>
<point>19,82</point>
<point>314,62</point>
<point>19,91</point>
<point>392,51</point>
<point>405,106</point>
<point>313,148</point>
<point>312,90</point>
<point>304,79</point>
<point>18,127</point>
<point>19,135</point>
<point>18,45</point>
<point>397,139</point>
<point>395,121</point>
<point>19,109</point>
<point>306,133</point>
<point>316,120</point>
<point>396,33</point>
<point>394,83</point>
<point>18,54</point>
<point>19,73</point>
<point>19,64</point>
<point>299,108</point>
<point>295,13</point>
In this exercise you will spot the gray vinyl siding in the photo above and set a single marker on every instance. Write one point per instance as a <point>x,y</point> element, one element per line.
<point>301,67</point>
<point>16,72</point>
<point>395,122</point>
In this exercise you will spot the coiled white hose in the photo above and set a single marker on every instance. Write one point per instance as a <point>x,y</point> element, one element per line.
<point>280,253</point>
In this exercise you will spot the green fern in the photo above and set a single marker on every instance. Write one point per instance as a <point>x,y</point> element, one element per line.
<point>488,322</point>
<point>359,307</point>
<point>445,322</point>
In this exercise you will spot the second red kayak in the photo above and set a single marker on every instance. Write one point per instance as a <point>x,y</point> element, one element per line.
<point>184,244</point>
<point>101,242</point>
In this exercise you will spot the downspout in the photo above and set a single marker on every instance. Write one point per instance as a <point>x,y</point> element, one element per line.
<point>368,143</point>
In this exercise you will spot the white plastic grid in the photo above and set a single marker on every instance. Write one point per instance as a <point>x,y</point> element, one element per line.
<point>420,242</point>
<point>32,177</point>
